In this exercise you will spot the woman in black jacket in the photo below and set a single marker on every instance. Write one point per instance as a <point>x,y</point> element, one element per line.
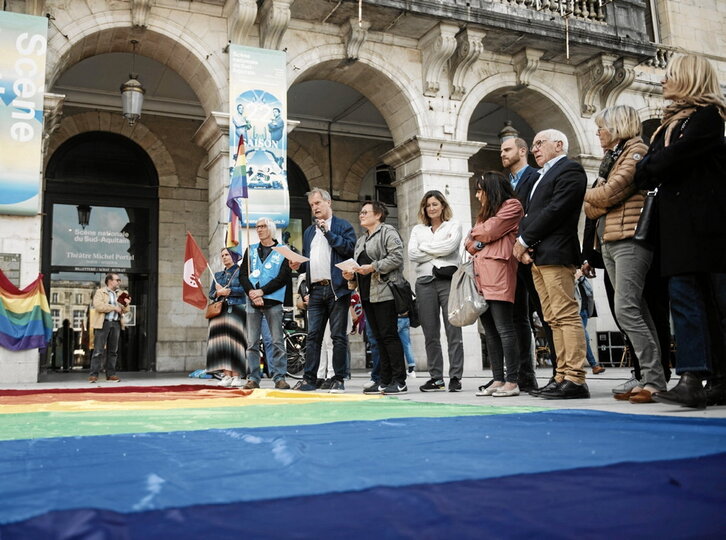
<point>687,162</point>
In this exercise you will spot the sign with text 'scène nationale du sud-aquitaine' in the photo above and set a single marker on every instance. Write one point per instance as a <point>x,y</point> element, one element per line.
<point>23,42</point>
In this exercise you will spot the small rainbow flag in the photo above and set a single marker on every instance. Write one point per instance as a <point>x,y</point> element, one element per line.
<point>25,321</point>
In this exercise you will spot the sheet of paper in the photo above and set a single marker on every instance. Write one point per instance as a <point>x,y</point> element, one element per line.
<point>348,266</point>
<point>290,254</point>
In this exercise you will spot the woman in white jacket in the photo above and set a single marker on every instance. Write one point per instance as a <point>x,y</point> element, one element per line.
<point>434,250</point>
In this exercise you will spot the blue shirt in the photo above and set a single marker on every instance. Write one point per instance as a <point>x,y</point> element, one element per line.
<point>516,177</point>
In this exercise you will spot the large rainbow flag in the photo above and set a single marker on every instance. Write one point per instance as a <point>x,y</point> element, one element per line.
<point>196,461</point>
<point>25,321</point>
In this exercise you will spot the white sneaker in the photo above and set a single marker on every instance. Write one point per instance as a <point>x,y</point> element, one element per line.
<point>627,386</point>
<point>226,381</point>
<point>411,372</point>
<point>236,382</point>
<point>369,384</point>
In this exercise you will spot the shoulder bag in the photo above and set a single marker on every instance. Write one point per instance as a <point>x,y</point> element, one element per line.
<point>405,300</point>
<point>646,227</point>
<point>215,308</point>
<point>465,302</point>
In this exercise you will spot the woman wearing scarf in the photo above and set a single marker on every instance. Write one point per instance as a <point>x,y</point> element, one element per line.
<point>616,203</point>
<point>687,162</point>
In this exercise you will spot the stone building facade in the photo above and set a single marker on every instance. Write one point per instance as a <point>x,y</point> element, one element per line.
<point>442,76</point>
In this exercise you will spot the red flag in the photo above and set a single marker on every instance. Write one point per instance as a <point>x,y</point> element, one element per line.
<point>194,266</point>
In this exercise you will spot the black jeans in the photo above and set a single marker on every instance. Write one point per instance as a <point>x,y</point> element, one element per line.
<point>324,307</point>
<point>382,318</point>
<point>501,340</point>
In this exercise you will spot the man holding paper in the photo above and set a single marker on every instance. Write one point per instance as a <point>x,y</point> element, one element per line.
<point>327,242</point>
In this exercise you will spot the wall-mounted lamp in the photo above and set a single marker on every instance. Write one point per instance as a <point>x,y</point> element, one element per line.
<point>132,93</point>
<point>508,131</point>
<point>84,215</point>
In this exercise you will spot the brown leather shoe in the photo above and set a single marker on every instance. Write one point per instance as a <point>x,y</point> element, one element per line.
<point>281,384</point>
<point>596,370</point>
<point>625,396</point>
<point>644,396</point>
<point>92,379</point>
<point>113,378</point>
<point>251,385</point>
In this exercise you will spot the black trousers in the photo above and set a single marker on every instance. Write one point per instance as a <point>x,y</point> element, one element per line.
<point>383,320</point>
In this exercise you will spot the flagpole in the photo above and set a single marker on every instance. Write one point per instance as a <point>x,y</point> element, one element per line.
<point>247,228</point>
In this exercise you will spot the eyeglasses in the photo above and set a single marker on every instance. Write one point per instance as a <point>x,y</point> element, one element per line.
<point>537,144</point>
<point>364,212</point>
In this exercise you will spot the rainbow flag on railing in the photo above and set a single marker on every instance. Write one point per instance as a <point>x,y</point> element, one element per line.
<point>25,321</point>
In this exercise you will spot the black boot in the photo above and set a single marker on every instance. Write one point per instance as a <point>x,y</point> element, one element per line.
<point>689,392</point>
<point>716,391</point>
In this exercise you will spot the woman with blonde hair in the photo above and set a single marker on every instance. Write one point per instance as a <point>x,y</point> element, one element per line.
<point>616,203</point>
<point>687,163</point>
<point>433,248</point>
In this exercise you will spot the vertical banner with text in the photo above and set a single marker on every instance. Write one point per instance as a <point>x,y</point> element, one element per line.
<point>23,42</point>
<point>258,112</point>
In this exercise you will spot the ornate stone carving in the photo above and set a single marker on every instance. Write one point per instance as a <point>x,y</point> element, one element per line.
<point>436,46</point>
<point>624,77</point>
<point>241,15</point>
<point>525,63</point>
<point>140,11</point>
<point>592,78</point>
<point>274,18</point>
<point>468,48</point>
<point>355,36</point>
<point>52,113</point>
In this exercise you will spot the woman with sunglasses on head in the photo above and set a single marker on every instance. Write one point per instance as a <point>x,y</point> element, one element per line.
<point>434,250</point>
<point>687,163</point>
<point>616,203</point>
<point>491,242</point>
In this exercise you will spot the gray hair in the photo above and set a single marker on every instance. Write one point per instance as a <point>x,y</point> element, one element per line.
<point>622,121</point>
<point>270,226</point>
<point>555,135</point>
<point>319,191</point>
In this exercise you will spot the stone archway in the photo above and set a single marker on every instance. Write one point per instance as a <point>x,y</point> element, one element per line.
<point>394,98</point>
<point>185,56</point>
<point>538,104</point>
<point>74,125</point>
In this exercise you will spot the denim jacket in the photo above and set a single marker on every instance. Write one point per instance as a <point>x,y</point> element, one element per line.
<point>229,276</point>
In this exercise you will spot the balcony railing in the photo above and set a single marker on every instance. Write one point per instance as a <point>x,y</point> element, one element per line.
<point>589,10</point>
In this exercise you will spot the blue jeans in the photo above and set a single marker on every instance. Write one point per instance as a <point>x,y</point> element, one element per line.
<point>404,324</point>
<point>698,306</point>
<point>375,355</point>
<point>590,357</point>
<point>276,356</point>
<point>324,307</point>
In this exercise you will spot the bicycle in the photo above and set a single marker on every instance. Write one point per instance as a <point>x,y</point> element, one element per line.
<point>295,340</point>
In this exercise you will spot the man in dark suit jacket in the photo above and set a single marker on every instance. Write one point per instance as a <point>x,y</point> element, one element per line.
<point>328,241</point>
<point>548,239</point>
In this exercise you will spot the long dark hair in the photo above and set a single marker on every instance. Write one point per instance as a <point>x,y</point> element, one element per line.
<point>497,189</point>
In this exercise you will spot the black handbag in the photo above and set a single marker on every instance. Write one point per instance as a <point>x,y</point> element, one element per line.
<point>645,231</point>
<point>445,272</point>
<point>405,300</point>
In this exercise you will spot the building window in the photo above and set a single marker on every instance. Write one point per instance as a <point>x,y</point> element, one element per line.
<point>385,192</point>
<point>651,21</point>
<point>54,298</point>
<point>55,314</point>
<point>79,318</point>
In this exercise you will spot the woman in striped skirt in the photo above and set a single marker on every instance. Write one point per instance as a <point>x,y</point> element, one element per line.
<point>227,343</point>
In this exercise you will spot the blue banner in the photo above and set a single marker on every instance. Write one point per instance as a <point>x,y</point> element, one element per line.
<point>258,114</point>
<point>23,43</point>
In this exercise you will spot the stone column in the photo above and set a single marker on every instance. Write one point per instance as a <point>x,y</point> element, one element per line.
<point>422,164</point>
<point>213,136</point>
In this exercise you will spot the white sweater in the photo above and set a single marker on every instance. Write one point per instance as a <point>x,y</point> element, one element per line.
<point>427,249</point>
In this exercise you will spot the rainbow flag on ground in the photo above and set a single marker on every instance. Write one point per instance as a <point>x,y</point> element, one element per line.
<point>196,461</point>
<point>25,321</point>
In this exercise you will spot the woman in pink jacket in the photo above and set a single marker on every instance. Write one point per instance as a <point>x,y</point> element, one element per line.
<point>495,269</point>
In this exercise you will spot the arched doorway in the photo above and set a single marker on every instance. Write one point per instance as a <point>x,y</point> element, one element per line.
<point>101,216</point>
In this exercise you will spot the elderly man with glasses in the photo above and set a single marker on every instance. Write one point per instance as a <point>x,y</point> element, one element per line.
<point>548,240</point>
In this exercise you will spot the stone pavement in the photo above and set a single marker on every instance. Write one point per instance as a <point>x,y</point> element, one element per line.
<point>600,390</point>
